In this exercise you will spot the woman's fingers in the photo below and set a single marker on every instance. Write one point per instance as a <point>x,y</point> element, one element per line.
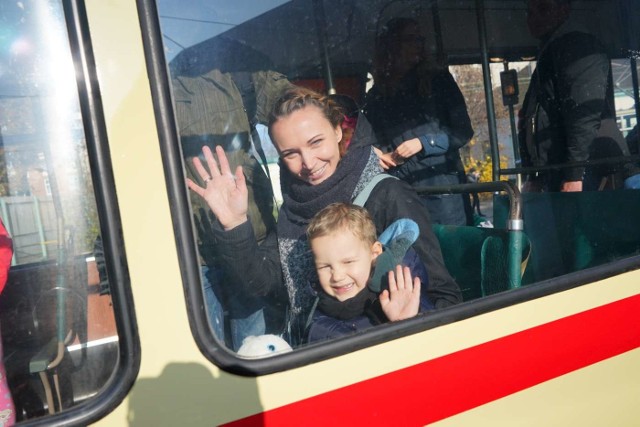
<point>195,188</point>
<point>222,159</point>
<point>202,172</point>
<point>241,183</point>
<point>212,165</point>
<point>211,162</point>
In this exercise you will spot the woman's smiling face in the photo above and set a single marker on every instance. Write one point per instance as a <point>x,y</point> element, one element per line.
<point>308,144</point>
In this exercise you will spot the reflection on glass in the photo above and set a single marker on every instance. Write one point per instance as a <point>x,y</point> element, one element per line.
<point>229,64</point>
<point>58,330</point>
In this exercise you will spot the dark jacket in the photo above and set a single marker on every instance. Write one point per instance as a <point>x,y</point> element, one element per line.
<point>409,114</point>
<point>568,110</point>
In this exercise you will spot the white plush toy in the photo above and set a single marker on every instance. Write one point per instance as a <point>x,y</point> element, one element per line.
<point>263,346</point>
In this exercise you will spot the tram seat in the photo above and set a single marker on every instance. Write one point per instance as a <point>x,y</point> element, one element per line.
<point>477,258</point>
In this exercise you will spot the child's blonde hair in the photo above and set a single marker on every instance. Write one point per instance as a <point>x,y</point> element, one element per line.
<point>343,216</point>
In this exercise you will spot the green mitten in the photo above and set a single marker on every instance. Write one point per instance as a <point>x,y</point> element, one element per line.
<point>396,241</point>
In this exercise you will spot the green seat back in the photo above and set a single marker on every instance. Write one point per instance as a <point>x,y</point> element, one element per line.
<point>477,258</point>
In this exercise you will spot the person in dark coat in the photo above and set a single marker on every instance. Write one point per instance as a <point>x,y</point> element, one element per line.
<point>316,171</point>
<point>420,119</point>
<point>568,113</point>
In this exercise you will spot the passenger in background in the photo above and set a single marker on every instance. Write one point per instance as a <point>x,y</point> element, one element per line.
<point>420,119</point>
<point>221,106</point>
<point>315,171</point>
<point>7,409</point>
<point>568,113</point>
<point>363,281</point>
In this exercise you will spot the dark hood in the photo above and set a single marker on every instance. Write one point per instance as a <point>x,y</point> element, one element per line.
<point>363,135</point>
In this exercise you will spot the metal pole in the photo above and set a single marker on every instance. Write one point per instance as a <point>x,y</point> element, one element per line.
<point>437,29</point>
<point>633,63</point>
<point>514,137</point>
<point>321,27</point>
<point>41,235</point>
<point>488,90</point>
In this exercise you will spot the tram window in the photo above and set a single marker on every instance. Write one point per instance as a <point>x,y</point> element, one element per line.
<point>59,340</point>
<point>228,64</point>
<point>624,97</point>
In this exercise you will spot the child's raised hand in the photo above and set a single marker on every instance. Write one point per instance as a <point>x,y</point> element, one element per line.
<point>402,300</point>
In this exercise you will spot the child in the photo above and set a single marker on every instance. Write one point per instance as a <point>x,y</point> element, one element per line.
<point>352,266</point>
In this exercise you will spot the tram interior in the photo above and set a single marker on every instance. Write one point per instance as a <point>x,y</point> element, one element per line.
<point>333,49</point>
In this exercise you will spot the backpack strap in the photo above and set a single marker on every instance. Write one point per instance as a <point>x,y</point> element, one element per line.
<point>362,197</point>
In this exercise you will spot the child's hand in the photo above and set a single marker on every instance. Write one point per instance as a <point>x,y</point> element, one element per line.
<point>402,300</point>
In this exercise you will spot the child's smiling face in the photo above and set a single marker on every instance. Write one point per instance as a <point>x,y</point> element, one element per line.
<point>343,262</point>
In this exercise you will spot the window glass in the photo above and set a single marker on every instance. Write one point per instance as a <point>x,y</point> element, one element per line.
<point>624,96</point>
<point>416,71</point>
<point>59,344</point>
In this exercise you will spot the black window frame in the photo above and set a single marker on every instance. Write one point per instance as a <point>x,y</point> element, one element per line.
<point>128,364</point>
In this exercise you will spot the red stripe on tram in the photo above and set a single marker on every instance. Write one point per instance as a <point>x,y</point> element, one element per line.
<point>451,384</point>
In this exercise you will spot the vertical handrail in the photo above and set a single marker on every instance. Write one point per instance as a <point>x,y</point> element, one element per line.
<point>41,235</point>
<point>515,223</point>
<point>514,137</point>
<point>633,64</point>
<point>488,91</point>
<point>321,27</point>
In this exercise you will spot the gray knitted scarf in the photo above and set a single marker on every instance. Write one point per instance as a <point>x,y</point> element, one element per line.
<point>301,201</point>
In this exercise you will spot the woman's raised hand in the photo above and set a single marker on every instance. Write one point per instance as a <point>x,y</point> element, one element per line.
<point>225,193</point>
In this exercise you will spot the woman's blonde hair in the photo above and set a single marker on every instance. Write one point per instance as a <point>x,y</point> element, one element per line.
<point>343,216</point>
